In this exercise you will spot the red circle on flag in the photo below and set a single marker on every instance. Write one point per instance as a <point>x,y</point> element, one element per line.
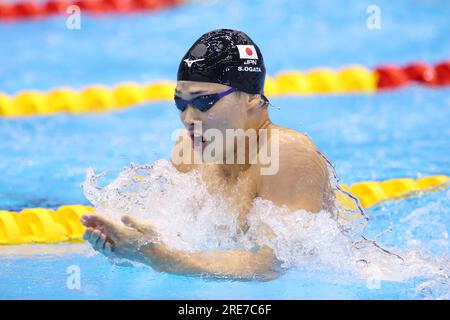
<point>249,51</point>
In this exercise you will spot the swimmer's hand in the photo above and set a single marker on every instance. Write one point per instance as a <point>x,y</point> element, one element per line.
<point>115,240</point>
<point>135,241</point>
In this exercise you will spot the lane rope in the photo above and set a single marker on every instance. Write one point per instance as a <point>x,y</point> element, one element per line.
<point>347,80</point>
<point>39,225</point>
<point>36,10</point>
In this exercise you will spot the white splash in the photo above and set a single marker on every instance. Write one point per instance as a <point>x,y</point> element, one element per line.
<point>177,204</point>
<point>187,217</point>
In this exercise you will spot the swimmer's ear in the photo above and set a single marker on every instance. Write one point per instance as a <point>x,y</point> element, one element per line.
<point>254,101</point>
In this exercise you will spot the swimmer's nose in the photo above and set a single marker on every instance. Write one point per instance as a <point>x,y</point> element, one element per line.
<point>190,116</point>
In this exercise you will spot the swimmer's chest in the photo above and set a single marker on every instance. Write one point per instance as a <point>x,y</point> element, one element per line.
<point>239,192</point>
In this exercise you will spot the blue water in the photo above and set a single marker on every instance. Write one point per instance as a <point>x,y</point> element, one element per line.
<point>403,133</point>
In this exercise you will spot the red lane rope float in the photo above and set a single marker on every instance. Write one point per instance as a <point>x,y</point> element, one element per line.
<point>30,9</point>
<point>353,79</point>
<point>392,77</point>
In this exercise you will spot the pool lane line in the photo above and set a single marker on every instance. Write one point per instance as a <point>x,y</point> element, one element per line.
<point>39,225</point>
<point>35,10</point>
<point>95,98</point>
<point>354,79</point>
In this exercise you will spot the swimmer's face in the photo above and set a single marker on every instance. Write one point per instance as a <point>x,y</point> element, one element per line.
<point>234,111</point>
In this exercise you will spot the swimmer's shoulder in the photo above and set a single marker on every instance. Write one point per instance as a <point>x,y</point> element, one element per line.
<point>292,138</point>
<point>297,149</point>
<point>302,174</point>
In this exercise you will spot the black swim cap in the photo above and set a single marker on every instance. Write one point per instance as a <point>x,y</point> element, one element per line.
<point>225,56</point>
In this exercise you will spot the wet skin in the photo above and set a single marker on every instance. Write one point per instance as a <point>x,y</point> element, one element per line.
<point>302,182</point>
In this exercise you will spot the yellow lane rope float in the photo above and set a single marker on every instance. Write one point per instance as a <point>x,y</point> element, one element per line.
<point>97,98</point>
<point>349,79</point>
<point>38,225</point>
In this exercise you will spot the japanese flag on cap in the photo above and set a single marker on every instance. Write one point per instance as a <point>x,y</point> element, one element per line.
<point>247,51</point>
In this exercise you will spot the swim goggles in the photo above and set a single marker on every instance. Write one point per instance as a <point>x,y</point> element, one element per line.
<point>202,103</point>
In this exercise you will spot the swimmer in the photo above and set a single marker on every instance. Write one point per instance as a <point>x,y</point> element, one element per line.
<point>220,85</point>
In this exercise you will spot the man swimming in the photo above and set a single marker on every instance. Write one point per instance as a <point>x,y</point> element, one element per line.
<point>220,86</point>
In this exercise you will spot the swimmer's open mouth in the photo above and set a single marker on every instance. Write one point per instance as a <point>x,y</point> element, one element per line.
<point>197,137</point>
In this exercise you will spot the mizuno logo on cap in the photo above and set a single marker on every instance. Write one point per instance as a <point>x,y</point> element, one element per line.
<point>189,62</point>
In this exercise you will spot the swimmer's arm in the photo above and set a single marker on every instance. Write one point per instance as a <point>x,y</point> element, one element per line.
<point>237,263</point>
<point>136,240</point>
<point>301,180</point>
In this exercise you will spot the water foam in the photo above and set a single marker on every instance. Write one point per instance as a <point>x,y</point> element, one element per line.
<point>189,218</point>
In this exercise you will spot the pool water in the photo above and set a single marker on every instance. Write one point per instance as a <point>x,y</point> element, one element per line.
<point>402,133</point>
